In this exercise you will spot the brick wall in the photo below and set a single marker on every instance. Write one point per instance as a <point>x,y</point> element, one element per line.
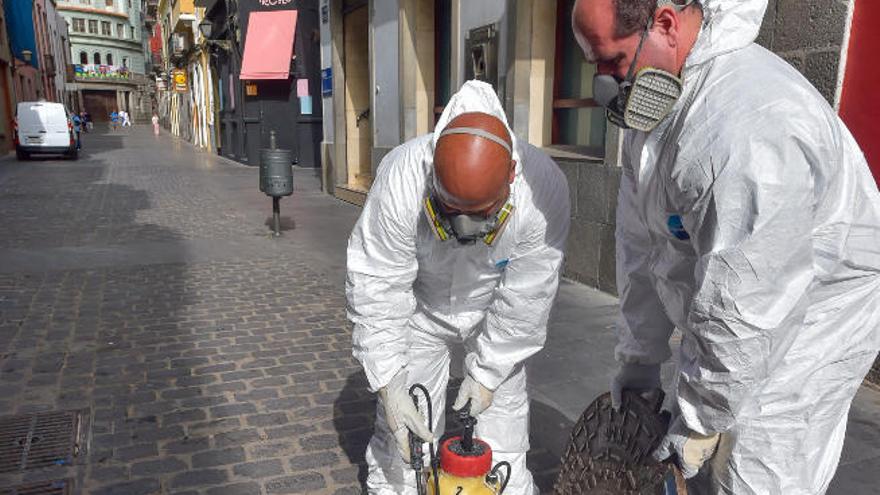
<point>593,190</point>
<point>808,34</point>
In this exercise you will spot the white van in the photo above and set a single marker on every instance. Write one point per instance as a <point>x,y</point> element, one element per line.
<point>43,127</point>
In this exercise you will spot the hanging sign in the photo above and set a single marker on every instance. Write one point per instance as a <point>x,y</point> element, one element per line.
<point>178,76</point>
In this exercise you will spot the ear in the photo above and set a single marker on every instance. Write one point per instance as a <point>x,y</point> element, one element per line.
<point>512,174</point>
<point>666,22</point>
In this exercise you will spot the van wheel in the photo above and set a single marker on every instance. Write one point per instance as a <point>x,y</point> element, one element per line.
<point>22,155</point>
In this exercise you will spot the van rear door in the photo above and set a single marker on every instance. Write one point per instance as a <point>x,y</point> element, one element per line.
<point>43,124</point>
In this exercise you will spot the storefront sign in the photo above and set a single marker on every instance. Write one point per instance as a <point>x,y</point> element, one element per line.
<point>178,76</point>
<point>250,89</point>
<point>274,3</point>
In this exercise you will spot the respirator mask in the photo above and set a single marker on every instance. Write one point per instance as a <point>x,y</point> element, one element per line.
<point>644,98</point>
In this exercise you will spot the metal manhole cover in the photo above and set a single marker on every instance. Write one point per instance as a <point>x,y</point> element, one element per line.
<point>58,487</point>
<point>41,440</point>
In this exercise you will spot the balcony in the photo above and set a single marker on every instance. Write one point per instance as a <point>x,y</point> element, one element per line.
<point>95,72</point>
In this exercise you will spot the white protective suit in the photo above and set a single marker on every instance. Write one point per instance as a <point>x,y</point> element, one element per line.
<point>410,295</point>
<point>772,276</point>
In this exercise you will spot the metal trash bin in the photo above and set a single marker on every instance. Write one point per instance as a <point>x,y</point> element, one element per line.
<point>276,177</point>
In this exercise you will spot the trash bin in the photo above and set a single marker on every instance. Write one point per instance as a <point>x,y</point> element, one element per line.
<point>276,177</point>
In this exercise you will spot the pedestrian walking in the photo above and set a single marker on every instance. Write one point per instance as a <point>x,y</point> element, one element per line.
<point>76,122</point>
<point>126,119</point>
<point>88,121</point>
<point>155,120</point>
<point>749,221</point>
<point>114,120</point>
<point>83,122</point>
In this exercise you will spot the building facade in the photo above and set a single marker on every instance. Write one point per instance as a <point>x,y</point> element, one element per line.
<point>6,90</point>
<point>27,84</point>
<point>108,56</point>
<point>250,105</point>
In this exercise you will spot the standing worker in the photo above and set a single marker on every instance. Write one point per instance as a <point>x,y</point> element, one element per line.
<point>460,241</point>
<point>155,121</point>
<point>748,219</point>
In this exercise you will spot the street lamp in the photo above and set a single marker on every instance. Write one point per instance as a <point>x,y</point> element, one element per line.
<point>26,56</point>
<point>206,27</point>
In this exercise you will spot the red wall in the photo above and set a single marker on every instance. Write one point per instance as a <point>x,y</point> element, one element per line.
<point>860,102</point>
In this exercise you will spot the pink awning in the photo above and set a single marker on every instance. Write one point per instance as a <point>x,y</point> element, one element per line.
<point>268,45</point>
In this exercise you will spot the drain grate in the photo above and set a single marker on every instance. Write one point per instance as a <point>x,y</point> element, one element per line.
<point>41,440</point>
<point>58,487</point>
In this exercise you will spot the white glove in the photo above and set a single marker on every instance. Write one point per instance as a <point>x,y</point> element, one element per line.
<point>639,378</point>
<point>480,396</point>
<point>693,448</point>
<point>402,416</point>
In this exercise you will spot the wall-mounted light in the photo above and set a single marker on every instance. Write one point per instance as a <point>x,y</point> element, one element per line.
<point>206,27</point>
<point>26,55</point>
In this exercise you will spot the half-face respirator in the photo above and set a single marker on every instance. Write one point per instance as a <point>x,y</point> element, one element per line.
<point>644,98</point>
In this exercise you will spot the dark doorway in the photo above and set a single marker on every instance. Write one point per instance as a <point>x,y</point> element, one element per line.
<point>99,104</point>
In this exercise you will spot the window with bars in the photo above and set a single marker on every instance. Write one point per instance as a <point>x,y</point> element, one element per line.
<point>109,3</point>
<point>79,25</point>
<point>93,26</point>
<point>120,31</point>
<point>105,28</point>
<point>577,119</point>
<point>131,32</point>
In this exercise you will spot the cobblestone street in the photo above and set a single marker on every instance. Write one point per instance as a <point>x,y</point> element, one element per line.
<point>139,283</point>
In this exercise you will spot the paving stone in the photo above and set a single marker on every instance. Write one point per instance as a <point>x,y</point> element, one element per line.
<point>249,488</point>
<point>218,457</point>
<point>259,469</point>
<point>199,478</point>
<point>301,483</point>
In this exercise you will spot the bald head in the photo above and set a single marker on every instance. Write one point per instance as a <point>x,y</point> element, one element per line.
<point>473,173</point>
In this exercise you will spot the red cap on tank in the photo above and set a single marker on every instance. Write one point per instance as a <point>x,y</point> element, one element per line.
<point>457,463</point>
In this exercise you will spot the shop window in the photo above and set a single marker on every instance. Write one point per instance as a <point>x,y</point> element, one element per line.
<point>96,58</point>
<point>105,28</point>
<point>109,59</point>
<point>93,26</point>
<point>83,58</point>
<point>577,119</point>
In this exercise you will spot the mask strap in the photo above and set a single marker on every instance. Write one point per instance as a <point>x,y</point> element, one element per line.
<point>632,66</point>
<point>473,131</point>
